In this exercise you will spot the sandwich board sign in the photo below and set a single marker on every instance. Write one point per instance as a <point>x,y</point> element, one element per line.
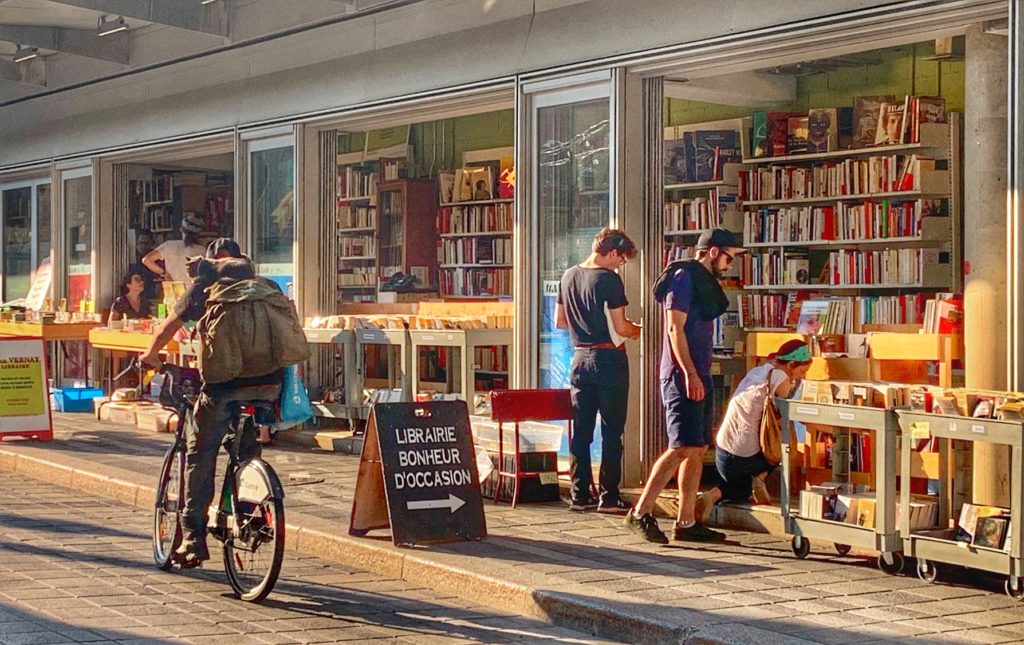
<point>417,474</point>
<point>24,399</point>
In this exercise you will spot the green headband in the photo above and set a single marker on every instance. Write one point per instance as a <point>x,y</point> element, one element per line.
<point>801,355</point>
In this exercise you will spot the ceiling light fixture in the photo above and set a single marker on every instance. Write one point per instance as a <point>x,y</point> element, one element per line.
<point>108,25</point>
<point>207,1</point>
<point>25,53</point>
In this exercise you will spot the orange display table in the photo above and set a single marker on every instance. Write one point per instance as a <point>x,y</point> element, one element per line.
<point>48,331</point>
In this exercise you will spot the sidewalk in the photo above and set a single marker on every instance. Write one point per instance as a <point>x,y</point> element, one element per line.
<point>578,570</point>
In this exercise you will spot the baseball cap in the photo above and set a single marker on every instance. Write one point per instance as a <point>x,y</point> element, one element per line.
<point>192,223</point>
<point>223,245</point>
<point>720,237</point>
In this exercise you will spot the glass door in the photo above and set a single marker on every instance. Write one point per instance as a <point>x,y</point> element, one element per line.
<point>25,218</point>
<point>78,229</point>
<point>271,178</point>
<point>572,194</point>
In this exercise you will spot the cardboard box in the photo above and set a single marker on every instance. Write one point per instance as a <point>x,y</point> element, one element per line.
<point>156,419</point>
<point>123,413</point>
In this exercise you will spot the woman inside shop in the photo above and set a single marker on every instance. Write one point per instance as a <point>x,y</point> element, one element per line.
<point>132,303</point>
<point>741,465</point>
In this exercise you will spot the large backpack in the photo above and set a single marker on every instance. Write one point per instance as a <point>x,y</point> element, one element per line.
<point>249,329</point>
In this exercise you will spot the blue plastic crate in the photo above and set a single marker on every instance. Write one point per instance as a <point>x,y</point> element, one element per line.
<point>74,399</point>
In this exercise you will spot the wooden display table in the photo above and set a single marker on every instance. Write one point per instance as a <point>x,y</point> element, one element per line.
<point>397,342</point>
<point>48,331</point>
<point>116,340</point>
<point>760,344</point>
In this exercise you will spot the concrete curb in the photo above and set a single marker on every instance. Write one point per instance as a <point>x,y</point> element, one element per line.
<point>589,614</point>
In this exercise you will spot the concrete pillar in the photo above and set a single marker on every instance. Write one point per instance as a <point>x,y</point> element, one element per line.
<point>985,307</point>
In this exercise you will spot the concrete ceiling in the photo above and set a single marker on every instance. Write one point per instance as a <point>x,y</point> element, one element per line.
<point>71,52</point>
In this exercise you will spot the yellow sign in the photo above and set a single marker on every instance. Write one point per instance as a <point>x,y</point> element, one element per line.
<point>920,430</point>
<point>21,387</point>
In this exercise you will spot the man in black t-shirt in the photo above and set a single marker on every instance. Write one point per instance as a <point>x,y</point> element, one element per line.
<point>213,409</point>
<point>592,306</point>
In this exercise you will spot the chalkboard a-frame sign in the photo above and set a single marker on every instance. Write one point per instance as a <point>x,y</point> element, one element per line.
<point>417,474</point>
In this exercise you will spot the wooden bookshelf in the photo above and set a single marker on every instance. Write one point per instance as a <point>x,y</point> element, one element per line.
<point>475,249</point>
<point>407,234</point>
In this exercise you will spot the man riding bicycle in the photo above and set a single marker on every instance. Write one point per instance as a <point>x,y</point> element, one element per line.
<point>249,332</point>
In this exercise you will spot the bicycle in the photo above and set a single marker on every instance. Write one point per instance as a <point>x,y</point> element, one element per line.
<point>249,518</point>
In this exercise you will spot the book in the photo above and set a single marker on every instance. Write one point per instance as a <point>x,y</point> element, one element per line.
<point>796,134</point>
<point>822,130</point>
<point>889,130</point>
<point>931,109</point>
<point>865,118</point>
<point>759,135</point>
<point>990,532</point>
<point>446,185</point>
<point>481,182</point>
<point>675,162</point>
<point>812,316</point>
<point>715,148</point>
<point>778,132</point>
<point>967,524</point>
<point>507,178</point>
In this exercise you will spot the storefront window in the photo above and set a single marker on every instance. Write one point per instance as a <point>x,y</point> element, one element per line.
<point>17,240</point>
<point>273,214</point>
<point>78,239</point>
<point>572,206</point>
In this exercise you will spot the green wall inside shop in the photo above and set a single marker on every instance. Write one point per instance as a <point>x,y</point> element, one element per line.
<point>438,145</point>
<point>899,71</point>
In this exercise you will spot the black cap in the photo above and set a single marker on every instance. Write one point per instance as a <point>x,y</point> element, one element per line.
<point>720,237</point>
<point>223,245</point>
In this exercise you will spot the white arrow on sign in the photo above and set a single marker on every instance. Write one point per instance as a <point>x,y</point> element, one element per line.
<point>453,503</point>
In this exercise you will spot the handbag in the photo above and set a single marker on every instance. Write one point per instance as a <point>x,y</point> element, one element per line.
<point>295,407</point>
<point>770,433</point>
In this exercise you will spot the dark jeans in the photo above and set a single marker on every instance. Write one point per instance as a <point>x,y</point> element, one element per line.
<point>202,443</point>
<point>600,383</point>
<point>735,474</point>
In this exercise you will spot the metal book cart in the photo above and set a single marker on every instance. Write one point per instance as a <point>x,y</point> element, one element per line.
<point>883,537</point>
<point>466,340</point>
<point>515,406</point>
<point>352,408</point>
<point>930,546</point>
<point>397,341</point>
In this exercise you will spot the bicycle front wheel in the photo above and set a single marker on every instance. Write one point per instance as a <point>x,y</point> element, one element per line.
<point>254,548</point>
<point>167,514</point>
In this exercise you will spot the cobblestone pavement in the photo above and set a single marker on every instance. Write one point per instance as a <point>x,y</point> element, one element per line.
<point>749,590</point>
<point>77,568</point>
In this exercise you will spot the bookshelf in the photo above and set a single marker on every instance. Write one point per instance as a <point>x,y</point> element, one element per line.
<point>406,233</point>
<point>872,219</point>
<point>356,230</point>
<point>475,249</point>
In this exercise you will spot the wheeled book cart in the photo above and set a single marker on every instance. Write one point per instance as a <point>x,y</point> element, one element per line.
<point>352,409</point>
<point>399,356</point>
<point>883,537</point>
<point>938,545</point>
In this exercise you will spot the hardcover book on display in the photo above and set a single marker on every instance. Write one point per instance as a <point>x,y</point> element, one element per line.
<point>865,118</point>
<point>714,148</point>
<point>796,134</point>
<point>890,124</point>
<point>675,162</point>
<point>822,130</point>
<point>812,316</point>
<point>759,135</point>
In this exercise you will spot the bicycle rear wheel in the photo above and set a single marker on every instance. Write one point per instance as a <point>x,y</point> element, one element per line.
<point>169,500</point>
<point>254,549</point>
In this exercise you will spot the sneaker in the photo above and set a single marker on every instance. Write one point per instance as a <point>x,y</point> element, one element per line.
<point>701,508</point>
<point>582,506</point>
<point>192,552</point>
<point>648,526</point>
<point>697,533</point>
<point>760,491</point>
<point>618,507</point>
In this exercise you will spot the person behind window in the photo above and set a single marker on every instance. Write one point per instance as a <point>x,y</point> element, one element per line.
<point>132,303</point>
<point>174,253</point>
<point>145,242</point>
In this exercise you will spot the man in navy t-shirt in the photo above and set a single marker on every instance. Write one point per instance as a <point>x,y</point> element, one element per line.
<point>693,301</point>
<point>592,306</point>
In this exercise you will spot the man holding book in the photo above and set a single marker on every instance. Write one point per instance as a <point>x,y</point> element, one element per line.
<point>692,299</point>
<point>592,306</point>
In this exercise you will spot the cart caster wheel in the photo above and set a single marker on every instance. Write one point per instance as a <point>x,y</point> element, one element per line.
<point>891,568</point>
<point>927,571</point>
<point>1016,594</point>
<point>801,546</point>
<point>842,549</point>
